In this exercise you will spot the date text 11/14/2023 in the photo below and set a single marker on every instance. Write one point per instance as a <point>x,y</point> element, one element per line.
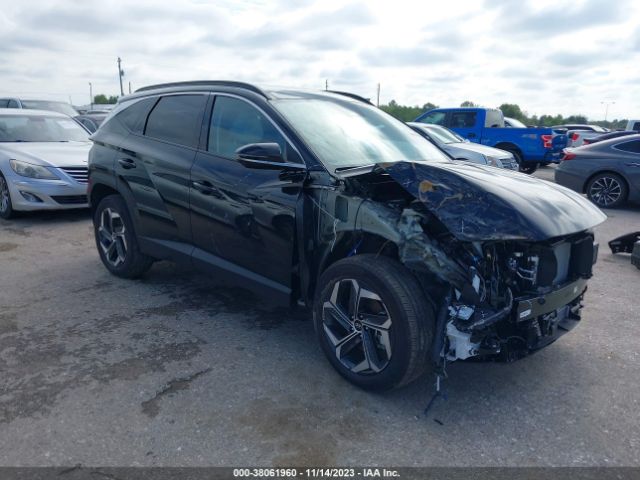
<point>277,473</point>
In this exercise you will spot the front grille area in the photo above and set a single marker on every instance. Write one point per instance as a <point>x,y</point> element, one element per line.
<point>79,174</point>
<point>70,199</point>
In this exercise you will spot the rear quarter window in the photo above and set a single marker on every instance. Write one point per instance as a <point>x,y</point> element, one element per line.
<point>631,147</point>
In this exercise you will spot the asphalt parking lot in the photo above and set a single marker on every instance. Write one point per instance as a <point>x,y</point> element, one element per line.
<point>174,370</point>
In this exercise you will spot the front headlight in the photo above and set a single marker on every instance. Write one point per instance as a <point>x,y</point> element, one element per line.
<point>32,171</point>
<point>493,161</point>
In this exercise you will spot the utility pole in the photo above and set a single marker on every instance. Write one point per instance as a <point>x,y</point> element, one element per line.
<point>129,88</point>
<point>120,75</point>
<point>91,95</point>
<point>378,101</point>
<point>606,108</point>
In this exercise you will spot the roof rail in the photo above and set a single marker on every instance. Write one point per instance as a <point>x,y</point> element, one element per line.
<point>205,83</point>
<point>351,95</point>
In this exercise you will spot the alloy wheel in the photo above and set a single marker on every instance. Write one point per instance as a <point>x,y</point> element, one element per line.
<point>111,236</point>
<point>357,324</point>
<point>605,191</point>
<point>4,195</point>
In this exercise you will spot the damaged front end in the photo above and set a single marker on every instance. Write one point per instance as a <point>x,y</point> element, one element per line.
<point>508,281</point>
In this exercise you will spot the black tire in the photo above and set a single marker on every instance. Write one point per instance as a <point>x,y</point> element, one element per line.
<point>524,167</point>
<point>607,190</point>
<point>6,207</point>
<point>124,259</point>
<point>410,324</point>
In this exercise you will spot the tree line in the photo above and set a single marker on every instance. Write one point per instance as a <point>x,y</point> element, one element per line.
<point>408,113</point>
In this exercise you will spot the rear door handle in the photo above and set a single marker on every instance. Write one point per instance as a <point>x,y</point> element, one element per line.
<point>127,163</point>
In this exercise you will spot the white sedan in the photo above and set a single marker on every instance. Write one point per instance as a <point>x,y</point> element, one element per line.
<point>43,161</point>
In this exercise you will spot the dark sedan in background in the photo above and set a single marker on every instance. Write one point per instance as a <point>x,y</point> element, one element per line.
<point>607,171</point>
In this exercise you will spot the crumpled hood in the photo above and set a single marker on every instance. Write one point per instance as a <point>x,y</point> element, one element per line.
<point>51,154</point>
<point>479,203</point>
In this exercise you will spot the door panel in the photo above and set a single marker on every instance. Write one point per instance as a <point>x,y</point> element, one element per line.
<point>156,166</point>
<point>243,214</point>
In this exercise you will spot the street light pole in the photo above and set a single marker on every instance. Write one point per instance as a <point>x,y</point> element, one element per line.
<point>120,75</point>
<point>91,95</point>
<point>606,108</point>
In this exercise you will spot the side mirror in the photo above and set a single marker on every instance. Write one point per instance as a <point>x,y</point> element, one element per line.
<point>260,152</point>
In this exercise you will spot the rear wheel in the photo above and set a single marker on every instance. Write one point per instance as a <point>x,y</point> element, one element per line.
<point>116,240</point>
<point>6,207</point>
<point>607,190</point>
<point>374,322</point>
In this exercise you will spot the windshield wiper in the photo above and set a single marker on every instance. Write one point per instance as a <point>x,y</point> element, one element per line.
<point>344,169</point>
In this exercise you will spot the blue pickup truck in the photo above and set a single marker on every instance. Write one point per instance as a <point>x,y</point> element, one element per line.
<point>530,146</point>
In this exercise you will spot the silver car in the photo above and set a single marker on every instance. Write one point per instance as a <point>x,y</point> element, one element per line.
<point>43,161</point>
<point>461,149</point>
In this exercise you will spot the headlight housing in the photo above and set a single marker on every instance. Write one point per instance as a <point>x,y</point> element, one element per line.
<point>25,169</point>
<point>493,161</point>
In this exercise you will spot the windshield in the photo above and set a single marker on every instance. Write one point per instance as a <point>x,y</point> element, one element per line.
<point>344,133</point>
<point>513,123</point>
<point>443,134</point>
<point>59,107</point>
<point>38,128</point>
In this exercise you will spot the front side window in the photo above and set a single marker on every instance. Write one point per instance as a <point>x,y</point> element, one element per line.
<point>344,133</point>
<point>37,128</point>
<point>177,119</point>
<point>235,123</point>
<point>436,118</point>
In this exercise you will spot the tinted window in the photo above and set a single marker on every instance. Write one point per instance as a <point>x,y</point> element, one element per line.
<point>177,119</point>
<point>463,120</point>
<point>436,118</point>
<point>236,123</point>
<point>13,104</point>
<point>4,103</point>
<point>133,116</point>
<point>636,126</point>
<point>633,146</point>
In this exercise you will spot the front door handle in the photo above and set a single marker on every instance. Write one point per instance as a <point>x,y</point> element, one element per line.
<point>127,163</point>
<point>204,187</point>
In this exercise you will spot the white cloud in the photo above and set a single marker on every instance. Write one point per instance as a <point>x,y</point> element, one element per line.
<point>548,56</point>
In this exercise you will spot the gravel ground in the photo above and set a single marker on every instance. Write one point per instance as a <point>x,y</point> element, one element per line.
<point>173,370</point>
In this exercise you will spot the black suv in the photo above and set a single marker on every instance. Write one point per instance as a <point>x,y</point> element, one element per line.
<point>407,259</point>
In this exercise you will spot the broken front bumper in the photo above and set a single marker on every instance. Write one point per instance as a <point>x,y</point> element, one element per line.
<point>532,323</point>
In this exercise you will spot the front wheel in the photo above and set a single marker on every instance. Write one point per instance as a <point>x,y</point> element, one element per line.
<point>374,322</point>
<point>116,240</point>
<point>6,207</point>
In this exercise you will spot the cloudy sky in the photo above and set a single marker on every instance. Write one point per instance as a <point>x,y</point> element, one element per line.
<point>548,56</point>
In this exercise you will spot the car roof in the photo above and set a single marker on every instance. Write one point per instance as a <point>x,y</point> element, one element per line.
<point>613,141</point>
<point>17,112</point>
<point>234,86</point>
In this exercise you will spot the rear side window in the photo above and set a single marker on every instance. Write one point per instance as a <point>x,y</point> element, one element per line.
<point>236,123</point>
<point>4,103</point>
<point>177,119</point>
<point>436,118</point>
<point>632,147</point>
<point>493,119</point>
<point>636,126</point>
<point>133,116</point>
<point>463,119</point>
